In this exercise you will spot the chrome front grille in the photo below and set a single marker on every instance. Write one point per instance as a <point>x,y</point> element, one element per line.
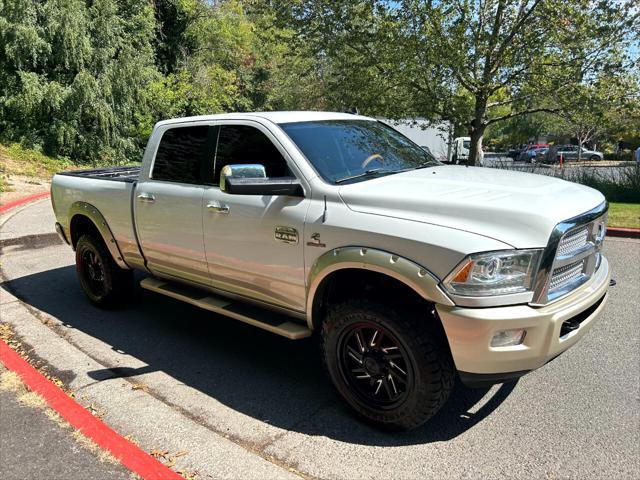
<point>576,257</point>
<point>564,275</point>
<point>572,255</point>
<point>573,241</point>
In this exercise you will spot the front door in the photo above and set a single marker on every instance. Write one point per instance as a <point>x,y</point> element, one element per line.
<point>168,206</point>
<point>254,243</point>
<point>571,153</point>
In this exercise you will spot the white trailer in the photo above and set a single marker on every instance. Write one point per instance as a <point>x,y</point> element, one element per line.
<point>435,136</point>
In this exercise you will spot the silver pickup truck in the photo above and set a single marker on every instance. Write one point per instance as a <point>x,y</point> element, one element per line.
<point>412,273</point>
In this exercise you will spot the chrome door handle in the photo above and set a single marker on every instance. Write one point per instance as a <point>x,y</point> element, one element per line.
<point>218,207</point>
<point>147,198</point>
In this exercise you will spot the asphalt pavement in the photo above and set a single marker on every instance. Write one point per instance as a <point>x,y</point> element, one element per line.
<point>248,404</point>
<point>34,447</point>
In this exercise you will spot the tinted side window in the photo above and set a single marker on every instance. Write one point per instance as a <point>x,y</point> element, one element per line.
<point>181,154</point>
<point>238,144</point>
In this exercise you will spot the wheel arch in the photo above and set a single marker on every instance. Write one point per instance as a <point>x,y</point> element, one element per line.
<point>346,260</point>
<point>85,218</point>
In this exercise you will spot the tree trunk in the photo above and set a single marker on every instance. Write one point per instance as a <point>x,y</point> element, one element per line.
<point>580,142</point>
<point>476,131</point>
<point>475,149</point>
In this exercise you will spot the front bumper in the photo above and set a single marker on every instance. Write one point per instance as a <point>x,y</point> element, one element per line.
<point>470,330</point>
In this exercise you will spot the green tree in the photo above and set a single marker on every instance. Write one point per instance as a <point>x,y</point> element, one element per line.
<point>599,108</point>
<point>477,63</point>
<point>73,74</point>
<point>218,56</point>
<point>521,129</point>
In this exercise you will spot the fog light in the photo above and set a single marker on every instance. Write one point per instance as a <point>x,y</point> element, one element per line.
<point>508,338</point>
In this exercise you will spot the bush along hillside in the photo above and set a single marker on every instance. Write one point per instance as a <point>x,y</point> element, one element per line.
<point>88,79</point>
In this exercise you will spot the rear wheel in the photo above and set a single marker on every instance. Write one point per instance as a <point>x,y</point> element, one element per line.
<point>391,366</point>
<point>104,283</point>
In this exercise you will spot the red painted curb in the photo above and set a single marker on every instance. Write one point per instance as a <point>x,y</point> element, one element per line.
<point>22,201</point>
<point>623,232</point>
<point>126,452</point>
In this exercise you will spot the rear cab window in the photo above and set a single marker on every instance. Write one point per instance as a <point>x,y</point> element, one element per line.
<point>183,155</point>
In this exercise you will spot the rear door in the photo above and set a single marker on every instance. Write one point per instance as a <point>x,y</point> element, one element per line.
<point>169,204</point>
<point>254,243</point>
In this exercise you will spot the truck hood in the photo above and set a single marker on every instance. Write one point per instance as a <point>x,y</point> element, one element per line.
<point>520,209</point>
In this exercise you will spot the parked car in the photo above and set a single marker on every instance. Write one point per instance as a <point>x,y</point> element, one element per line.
<point>541,155</point>
<point>413,274</point>
<point>514,153</point>
<point>570,152</point>
<point>529,154</point>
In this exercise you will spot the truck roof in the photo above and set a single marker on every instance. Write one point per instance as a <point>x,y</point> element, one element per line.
<point>275,117</point>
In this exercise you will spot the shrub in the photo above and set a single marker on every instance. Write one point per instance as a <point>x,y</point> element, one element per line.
<point>620,184</point>
<point>617,184</point>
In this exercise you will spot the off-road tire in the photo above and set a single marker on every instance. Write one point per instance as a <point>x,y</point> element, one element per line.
<point>427,351</point>
<point>114,286</point>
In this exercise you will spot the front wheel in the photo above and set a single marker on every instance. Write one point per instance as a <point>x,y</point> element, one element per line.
<point>104,283</point>
<point>594,158</point>
<point>393,367</point>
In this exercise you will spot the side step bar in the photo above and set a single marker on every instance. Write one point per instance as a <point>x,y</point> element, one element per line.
<point>265,319</point>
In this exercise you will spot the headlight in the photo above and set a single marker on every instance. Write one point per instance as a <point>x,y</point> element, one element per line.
<point>494,273</point>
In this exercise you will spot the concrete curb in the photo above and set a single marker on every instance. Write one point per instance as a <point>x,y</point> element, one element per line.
<point>623,232</point>
<point>21,201</point>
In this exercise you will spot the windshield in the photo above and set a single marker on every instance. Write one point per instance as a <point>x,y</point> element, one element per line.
<point>342,149</point>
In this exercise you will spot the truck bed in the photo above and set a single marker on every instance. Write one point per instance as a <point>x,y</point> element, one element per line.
<point>110,191</point>
<point>120,174</point>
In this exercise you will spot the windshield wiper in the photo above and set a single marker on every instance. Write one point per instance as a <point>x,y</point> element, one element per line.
<point>379,171</point>
<point>367,173</point>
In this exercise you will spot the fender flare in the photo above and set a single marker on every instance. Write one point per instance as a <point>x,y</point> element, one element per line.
<point>93,214</point>
<point>416,277</point>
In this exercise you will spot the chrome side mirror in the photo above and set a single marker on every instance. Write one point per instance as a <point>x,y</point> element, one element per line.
<point>252,180</point>
<point>240,171</point>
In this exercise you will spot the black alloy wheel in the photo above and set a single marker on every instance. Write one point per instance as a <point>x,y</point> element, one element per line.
<point>102,280</point>
<point>390,363</point>
<point>94,272</point>
<point>375,364</point>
